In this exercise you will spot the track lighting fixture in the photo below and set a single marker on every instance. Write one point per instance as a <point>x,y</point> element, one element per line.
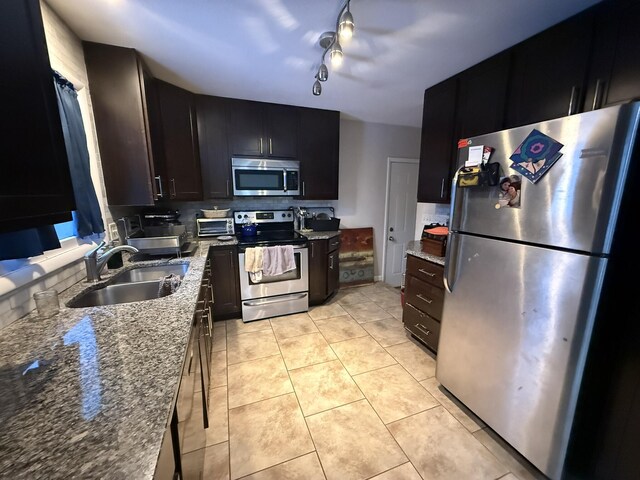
<point>330,42</point>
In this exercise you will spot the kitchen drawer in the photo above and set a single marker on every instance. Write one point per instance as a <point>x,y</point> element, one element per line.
<point>426,297</point>
<point>425,270</point>
<point>334,243</point>
<point>421,325</point>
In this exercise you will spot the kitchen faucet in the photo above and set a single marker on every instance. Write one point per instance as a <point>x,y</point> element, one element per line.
<point>95,264</point>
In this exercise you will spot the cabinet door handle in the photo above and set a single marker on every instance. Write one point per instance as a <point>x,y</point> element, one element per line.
<point>442,188</point>
<point>270,147</point>
<point>331,262</point>
<point>312,250</point>
<point>303,189</point>
<point>597,95</point>
<point>573,101</point>
<point>424,299</point>
<point>260,145</point>
<point>173,188</point>
<point>431,274</point>
<point>423,329</point>
<point>227,188</point>
<point>160,193</point>
<point>422,315</point>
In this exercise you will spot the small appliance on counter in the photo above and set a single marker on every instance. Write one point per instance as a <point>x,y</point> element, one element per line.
<point>210,227</point>
<point>318,219</point>
<point>154,233</point>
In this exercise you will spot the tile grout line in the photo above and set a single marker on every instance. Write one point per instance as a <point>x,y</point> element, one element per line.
<point>315,448</point>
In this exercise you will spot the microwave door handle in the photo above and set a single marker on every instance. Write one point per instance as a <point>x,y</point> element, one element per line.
<point>284,172</point>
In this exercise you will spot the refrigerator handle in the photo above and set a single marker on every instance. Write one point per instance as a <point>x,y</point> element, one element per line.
<point>450,261</point>
<point>451,243</point>
<point>454,190</point>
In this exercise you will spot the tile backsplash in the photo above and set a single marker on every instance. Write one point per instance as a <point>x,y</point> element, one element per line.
<point>19,301</point>
<point>188,210</point>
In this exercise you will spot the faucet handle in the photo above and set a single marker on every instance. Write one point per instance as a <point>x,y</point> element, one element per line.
<point>94,251</point>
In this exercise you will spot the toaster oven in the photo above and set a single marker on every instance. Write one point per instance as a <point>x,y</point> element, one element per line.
<point>209,227</point>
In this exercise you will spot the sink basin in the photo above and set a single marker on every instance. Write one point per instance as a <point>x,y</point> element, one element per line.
<point>135,285</point>
<point>150,273</point>
<point>122,293</point>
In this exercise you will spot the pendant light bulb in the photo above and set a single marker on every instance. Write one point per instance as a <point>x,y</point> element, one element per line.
<point>346,27</point>
<point>323,73</point>
<point>336,54</point>
<point>317,88</point>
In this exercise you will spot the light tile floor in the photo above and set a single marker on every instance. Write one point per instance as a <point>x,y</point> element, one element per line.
<point>342,392</point>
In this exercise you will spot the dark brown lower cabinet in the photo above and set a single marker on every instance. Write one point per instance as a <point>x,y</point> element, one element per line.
<point>324,269</point>
<point>225,278</point>
<point>424,300</point>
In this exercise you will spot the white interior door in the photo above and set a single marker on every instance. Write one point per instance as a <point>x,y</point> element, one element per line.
<point>400,219</point>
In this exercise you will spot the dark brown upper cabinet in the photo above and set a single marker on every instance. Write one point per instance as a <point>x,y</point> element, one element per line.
<point>482,91</point>
<point>614,76</point>
<point>214,151</point>
<point>35,186</point>
<point>437,152</point>
<point>319,153</point>
<point>548,75</point>
<point>180,142</point>
<point>125,114</point>
<point>258,129</point>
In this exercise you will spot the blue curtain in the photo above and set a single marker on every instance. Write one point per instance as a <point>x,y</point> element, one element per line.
<point>28,243</point>
<point>87,217</point>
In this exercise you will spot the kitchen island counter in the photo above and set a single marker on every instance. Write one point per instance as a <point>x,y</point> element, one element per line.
<point>89,392</point>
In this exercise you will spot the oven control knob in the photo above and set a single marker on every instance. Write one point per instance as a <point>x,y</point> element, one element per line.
<point>289,215</point>
<point>284,215</point>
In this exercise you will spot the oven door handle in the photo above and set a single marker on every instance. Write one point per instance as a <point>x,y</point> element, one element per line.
<point>284,298</point>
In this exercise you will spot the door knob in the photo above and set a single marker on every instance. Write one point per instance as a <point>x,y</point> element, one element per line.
<point>391,238</point>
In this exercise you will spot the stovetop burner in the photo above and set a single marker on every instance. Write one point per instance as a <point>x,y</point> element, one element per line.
<point>274,227</point>
<point>270,238</point>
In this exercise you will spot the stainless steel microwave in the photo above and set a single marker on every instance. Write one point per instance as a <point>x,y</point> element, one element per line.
<point>265,177</point>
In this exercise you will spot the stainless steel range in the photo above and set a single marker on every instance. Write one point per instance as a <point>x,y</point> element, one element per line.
<point>283,294</point>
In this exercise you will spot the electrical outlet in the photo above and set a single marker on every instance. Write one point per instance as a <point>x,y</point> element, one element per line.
<point>113,232</point>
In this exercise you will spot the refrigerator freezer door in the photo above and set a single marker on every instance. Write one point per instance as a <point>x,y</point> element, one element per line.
<point>575,204</point>
<point>513,340</point>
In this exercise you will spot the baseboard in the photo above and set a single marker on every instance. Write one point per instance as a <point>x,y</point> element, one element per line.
<point>377,278</point>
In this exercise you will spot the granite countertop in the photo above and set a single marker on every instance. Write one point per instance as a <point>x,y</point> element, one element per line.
<point>319,235</point>
<point>89,392</point>
<point>415,248</point>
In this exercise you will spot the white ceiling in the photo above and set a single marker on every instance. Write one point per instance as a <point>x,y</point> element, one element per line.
<point>267,49</point>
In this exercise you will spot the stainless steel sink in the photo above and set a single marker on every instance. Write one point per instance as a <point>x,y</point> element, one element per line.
<point>150,273</point>
<point>135,285</point>
<point>122,293</point>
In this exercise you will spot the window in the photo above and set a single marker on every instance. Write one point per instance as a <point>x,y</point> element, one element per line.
<point>64,230</point>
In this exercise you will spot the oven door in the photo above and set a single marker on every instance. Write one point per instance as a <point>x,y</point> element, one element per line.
<point>275,296</point>
<point>294,281</point>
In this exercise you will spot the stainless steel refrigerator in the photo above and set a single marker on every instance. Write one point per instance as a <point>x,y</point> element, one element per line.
<point>523,285</point>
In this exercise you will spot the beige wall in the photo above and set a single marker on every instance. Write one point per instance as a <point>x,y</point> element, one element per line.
<point>364,149</point>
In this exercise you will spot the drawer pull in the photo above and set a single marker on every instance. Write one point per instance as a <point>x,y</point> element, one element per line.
<point>422,315</point>
<point>426,273</point>
<point>423,329</point>
<point>424,299</point>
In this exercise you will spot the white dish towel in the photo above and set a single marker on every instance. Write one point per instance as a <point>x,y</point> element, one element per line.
<point>253,263</point>
<point>278,260</point>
